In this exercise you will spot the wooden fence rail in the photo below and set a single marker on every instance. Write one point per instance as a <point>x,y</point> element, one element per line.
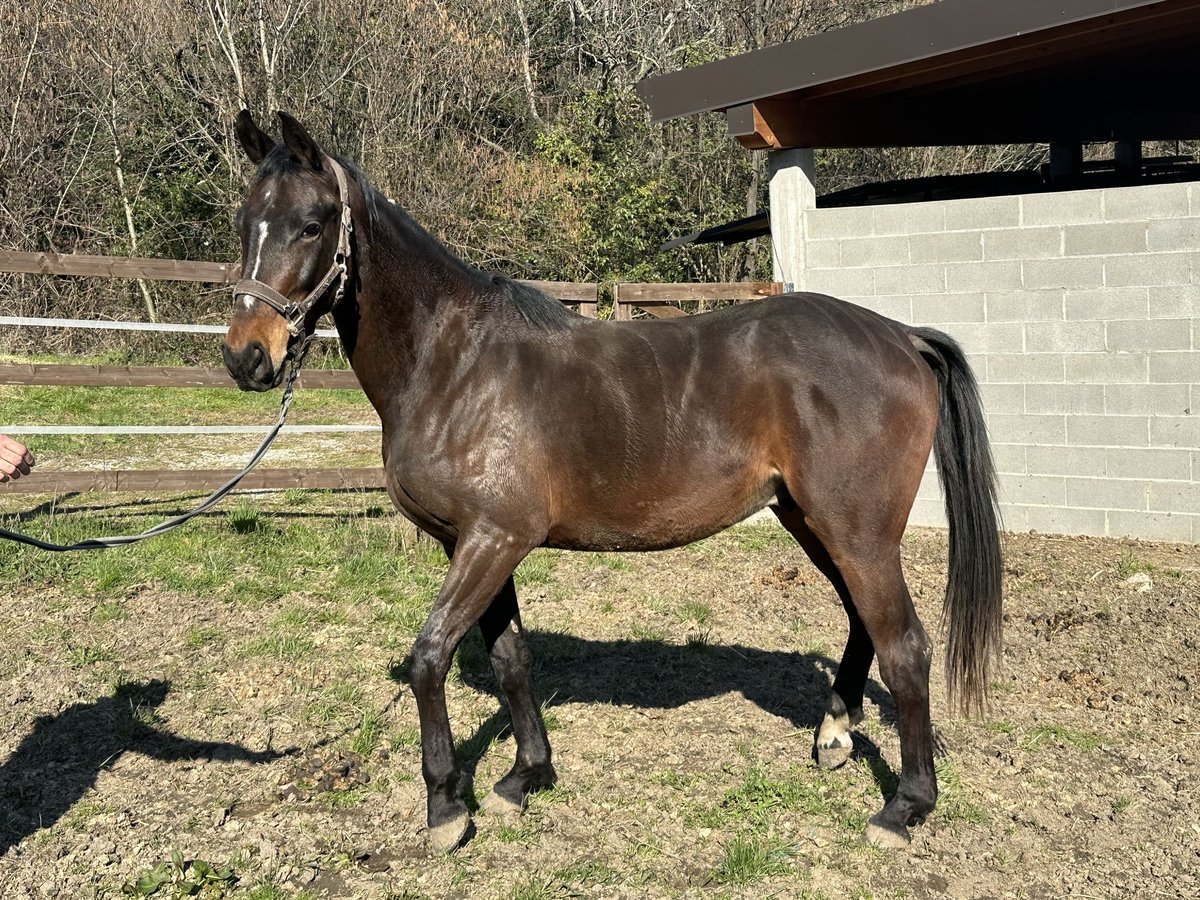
<point>659,300</point>
<point>148,480</point>
<point>154,376</point>
<point>50,263</point>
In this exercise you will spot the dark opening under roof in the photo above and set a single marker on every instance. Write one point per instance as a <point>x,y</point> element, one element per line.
<point>961,72</point>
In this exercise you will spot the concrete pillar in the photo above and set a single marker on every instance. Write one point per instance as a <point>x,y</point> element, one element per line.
<point>793,192</point>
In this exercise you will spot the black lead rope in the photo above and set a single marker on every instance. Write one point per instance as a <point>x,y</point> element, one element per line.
<point>104,543</point>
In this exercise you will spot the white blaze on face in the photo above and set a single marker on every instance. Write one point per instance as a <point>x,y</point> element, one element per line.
<point>247,300</point>
<point>262,239</point>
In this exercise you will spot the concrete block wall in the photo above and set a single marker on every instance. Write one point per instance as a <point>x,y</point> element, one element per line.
<point>1080,313</point>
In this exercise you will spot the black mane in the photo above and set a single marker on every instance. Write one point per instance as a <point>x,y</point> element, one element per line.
<point>536,307</point>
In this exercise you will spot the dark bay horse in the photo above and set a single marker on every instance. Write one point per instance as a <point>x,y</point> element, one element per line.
<point>511,423</point>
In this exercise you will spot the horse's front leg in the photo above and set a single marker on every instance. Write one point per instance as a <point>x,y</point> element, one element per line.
<point>483,560</point>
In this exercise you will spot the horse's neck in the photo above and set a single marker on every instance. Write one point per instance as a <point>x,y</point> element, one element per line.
<point>414,302</point>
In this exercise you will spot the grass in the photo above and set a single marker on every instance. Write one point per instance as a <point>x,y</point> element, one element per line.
<point>752,858</point>
<point>1129,565</point>
<point>1043,735</point>
<point>954,804</point>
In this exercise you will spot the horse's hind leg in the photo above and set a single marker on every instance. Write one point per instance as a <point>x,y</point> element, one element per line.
<point>511,661</point>
<point>880,595</point>
<point>833,744</point>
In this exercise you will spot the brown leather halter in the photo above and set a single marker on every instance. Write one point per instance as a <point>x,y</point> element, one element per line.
<point>295,313</point>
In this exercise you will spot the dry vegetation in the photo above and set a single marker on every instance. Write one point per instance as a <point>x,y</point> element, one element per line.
<point>509,127</point>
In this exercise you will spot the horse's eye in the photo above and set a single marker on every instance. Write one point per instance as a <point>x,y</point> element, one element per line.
<point>312,229</point>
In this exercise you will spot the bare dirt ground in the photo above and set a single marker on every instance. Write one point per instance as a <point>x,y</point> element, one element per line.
<point>138,721</point>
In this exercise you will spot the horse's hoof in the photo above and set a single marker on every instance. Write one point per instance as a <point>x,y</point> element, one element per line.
<point>450,835</point>
<point>833,752</point>
<point>887,836</point>
<point>500,806</point>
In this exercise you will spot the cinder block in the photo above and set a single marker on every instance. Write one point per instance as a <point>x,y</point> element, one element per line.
<point>1155,464</point>
<point>1040,368</point>
<point>1023,243</point>
<point>1080,461</point>
<point>1061,208</point>
<point>909,218</point>
<point>1104,239</point>
<point>1013,517</point>
<point>1106,368</point>
<point>840,222</point>
<point>1043,490</point>
<point>822,254</point>
<point>841,282</point>
<point>1175,431</point>
<point>1002,275</point>
<point>1147,399</point>
<point>952,246</point>
<point>929,488</point>
<point>1175,302</point>
<point>1173,497</point>
<point>1143,202</point>
<point>1068,399</point>
<point>1106,493</point>
<point>1108,431</point>
<point>898,308</point>
<point>1003,398</point>
<point>1075,273</point>
<point>983,212</point>
<point>1149,334</point>
<point>1174,234</point>
<point>998,337</point>
<point>1025,306</point>
<point>928,513</point>
<point>1107,303</point>
<point>910,280</point>
<point>1148,269</point>
<point>1027,429</point>
<point>1175,368</point>
<point>948,308</point>
<point>1010,458</point>
<point>1152,526</point>
<point>1064,337</point>
<point>875,251</point>
<point>1059,520</point>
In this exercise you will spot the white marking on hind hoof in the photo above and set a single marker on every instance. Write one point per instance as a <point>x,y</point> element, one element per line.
<point>833,752</point>
<point>886,837</point>
<point>501,807</point>
<point>448,837</point>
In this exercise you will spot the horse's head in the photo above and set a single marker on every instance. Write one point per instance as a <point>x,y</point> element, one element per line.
<point>294,227</point>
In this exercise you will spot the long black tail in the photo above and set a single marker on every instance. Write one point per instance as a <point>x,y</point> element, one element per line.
<point>972,611</point>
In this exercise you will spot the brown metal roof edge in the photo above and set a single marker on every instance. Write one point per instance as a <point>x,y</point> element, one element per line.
<point>903,38</point>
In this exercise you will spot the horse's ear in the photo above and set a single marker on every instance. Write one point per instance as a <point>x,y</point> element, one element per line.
<point>256,142</point>
<point>300,142</point>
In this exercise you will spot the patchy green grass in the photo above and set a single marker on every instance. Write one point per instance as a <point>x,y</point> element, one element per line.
<point>1043,736</point>
<point>1129,564</point>
<point>752,858</point>
<point>954,803</point>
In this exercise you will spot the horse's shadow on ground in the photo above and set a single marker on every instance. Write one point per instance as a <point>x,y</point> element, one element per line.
<point>60,759</point>
<point>648,674</point>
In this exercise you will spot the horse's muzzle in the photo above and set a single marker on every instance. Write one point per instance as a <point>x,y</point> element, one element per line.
<point>251,367</point>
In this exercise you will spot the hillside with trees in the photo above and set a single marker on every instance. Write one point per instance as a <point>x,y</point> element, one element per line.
<point>508,127</point>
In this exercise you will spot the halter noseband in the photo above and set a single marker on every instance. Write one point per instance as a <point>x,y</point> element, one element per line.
<point>294,314</point>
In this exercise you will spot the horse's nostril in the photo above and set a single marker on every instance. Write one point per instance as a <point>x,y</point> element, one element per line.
<point>256,355</point>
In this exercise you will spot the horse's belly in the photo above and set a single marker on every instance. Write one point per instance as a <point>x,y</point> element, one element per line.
<point>653,519</point>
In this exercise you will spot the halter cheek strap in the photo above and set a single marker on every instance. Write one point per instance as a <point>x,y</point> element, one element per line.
<point>295,313</point>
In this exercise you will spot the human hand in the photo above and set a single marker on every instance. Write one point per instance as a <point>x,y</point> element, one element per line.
<point>15,460</point>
